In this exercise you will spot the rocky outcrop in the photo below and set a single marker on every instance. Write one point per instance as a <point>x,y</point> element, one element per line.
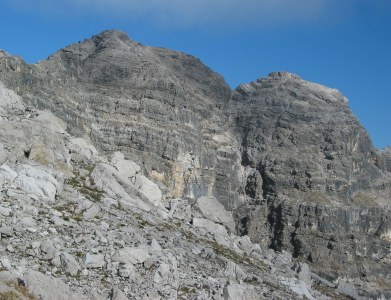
<point>302,141</point>
<point>161,108</point>
<point>146,176</point>
<point>113,236</point>
<point>386,155</point>
<point>338,241</point>
<point>319,187</point>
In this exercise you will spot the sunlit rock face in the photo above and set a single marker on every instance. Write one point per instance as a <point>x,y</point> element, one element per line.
<point>157,130</point>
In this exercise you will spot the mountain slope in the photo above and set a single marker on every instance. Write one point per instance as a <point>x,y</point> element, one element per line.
<point>285,156</point>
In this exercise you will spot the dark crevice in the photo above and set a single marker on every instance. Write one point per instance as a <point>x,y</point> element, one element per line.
<point>27,153</point>
<point>268,184</point>
<point>275,219</point>
<point>295,241</point>
<point>244,225</point>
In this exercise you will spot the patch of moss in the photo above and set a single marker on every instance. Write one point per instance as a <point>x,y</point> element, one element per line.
<point>78,217</point>
<point>141,222</point>
<point>9,295</point>
<point>330,292</point>
<point>89,168</point>
<point>79,254</point>
<point>384,284</point>
<point>61,208</point>
<point>224,251</point>
<point>78,182</point>
<point>186,290</point>
<point>23,290</point>
<point>92,194</point>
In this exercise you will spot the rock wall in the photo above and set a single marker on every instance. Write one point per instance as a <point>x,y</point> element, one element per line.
<point>337,241</point>
<point>286,156</point>
<point>161,108</point>
<point>303,140</point>
<point>319,188</point>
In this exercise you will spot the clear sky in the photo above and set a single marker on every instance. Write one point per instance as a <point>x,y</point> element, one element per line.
<point>344,44</point>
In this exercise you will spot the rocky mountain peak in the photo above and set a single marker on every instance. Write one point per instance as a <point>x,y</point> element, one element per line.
<point>312,124</point>
<point>4,53</point>
<point>112,34</point>
<point>133,171</point>
<point>112,39</point>
<point>297,87</point>
<point>285,75</point>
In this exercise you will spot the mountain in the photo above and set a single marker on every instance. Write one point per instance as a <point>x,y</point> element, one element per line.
<point>133,171</point>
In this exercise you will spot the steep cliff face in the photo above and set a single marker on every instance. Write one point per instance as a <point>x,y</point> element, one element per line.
<point>318,185</point>
<point>386,154</point>
<point>161,108</point>
<point>302,139</point>
<point>286,156</point>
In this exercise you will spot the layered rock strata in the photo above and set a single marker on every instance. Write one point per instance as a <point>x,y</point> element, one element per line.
<point>285,156</point>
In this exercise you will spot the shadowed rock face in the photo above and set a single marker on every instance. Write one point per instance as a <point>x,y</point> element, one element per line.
<point>386,154</point>
<point>303,139</point>
<point>318,184</point>
<point>286,155</point>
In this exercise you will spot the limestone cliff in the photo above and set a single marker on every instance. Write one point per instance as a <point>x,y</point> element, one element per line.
<point>286,156</point>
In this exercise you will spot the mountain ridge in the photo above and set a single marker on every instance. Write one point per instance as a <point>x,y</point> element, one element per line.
<point>285,156</point>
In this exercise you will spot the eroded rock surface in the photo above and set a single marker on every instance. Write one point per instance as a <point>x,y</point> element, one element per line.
<point>135,172</point>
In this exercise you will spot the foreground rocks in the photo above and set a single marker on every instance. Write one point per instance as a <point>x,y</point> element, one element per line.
<point>129,172</point>
<point>78,234</point>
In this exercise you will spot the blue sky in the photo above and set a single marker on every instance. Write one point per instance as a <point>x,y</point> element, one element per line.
<point>345,44</point>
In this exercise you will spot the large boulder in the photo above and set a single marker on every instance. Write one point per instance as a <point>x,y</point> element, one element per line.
<point>213,210</point>
<point>35,180</point>
<point>44,287</point>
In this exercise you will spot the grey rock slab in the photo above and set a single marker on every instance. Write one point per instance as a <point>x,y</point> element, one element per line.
<point>46,288</point>
<point>33,180</point>
<point>127,270</point>
<point>304,273</point>
<point>48,249</point>
<point>180,209</point>
<point>10,102</point>
<point>6,231</point>
<point>213,210</point>
<point>155,247</point>
<point>234,291</point>
<point>209,226</point>
<point>117,294</point>
<point>244,244</point>
<point>8,276</point>
<point>234,272</point>
<point>297,286</point>
<point>126,168</point>
<point>92,212</point>
<point>83,147</point>
<point>163,274</point>
<point>5,263</point>
<point>5,211</point>
<point>348,289</point>
<point>4,288</point>
<point>92,261</point>
<point>148,189</point>
<point>131,255</point>
<point>94,295</point>
<point>69,263</point>
<point>108,179</point>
